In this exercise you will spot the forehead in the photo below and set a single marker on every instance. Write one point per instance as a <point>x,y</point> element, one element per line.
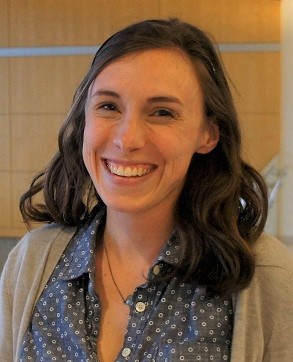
<point>169,67</point>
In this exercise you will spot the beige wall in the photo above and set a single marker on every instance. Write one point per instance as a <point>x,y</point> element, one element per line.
<point>36,92</point>
<point>286,227</point>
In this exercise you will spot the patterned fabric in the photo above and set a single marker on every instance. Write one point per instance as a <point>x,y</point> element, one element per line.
<point>168,321</point>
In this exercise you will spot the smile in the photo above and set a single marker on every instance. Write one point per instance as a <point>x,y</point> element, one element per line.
<point>128,171</point>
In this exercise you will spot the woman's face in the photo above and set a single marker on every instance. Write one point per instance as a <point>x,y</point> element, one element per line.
<point>144,120</point>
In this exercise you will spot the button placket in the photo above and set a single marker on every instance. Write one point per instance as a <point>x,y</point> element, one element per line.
<point>137,322</point>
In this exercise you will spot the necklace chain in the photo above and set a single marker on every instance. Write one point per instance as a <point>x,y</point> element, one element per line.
<point>112,276</point>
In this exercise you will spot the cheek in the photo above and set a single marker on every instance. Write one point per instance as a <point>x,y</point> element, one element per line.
<point>90,144</point>
<point>86,142</point>
<point>177,160</point>
<point>179,146</point>
<point>91,136</point>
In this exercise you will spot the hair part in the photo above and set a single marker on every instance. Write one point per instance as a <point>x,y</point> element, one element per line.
<point>223,206</point>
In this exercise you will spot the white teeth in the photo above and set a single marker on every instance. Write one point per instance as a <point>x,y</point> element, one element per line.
<point>140,171</point>
<point>120,171</point>
<point>127,171</point>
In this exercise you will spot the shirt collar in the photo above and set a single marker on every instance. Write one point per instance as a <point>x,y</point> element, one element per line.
<point>78,257</point>
<point>171,253</point>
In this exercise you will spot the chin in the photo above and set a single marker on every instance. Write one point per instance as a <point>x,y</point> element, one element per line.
<point>122,204</point>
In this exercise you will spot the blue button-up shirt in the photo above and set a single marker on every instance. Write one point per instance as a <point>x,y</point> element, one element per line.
<point>168,321</point>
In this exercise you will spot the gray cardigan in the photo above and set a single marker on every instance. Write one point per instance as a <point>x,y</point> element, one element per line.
<point>262,312</point>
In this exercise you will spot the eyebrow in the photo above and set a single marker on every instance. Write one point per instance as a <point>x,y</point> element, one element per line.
<point>168,99</point>
<point>156,99</point>
<point>103,92</point>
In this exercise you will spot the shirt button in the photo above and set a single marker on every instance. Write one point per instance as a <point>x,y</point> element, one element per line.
<point>140,307</point>
<point>126,352</point>
<point>156,269</point>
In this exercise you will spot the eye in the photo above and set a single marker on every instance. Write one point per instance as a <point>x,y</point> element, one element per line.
<point>164,113</point>
<point>107,107</point>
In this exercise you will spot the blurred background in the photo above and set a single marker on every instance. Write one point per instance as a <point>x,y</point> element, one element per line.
<point>47,46</point>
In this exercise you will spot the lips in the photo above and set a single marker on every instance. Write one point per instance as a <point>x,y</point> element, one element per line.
<point>129,170</point>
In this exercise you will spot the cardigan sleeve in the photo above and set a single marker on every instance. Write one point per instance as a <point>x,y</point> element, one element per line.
<point>263,324</point>
<point>28,267</point>
<point>6,338</point>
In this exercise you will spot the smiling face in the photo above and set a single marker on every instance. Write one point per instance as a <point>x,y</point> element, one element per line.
<point>144,120</point>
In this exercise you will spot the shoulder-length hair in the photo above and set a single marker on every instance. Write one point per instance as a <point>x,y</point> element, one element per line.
<point>223,205</point>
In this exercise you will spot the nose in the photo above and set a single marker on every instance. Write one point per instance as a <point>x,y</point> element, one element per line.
<point>130,133</point>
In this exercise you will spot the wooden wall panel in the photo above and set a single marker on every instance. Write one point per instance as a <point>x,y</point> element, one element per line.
<point>43,23</point>
<point>202,13</point>
<point>261,138</point>
<point>42,140</point>
<point>45,84</point>
<point>5,199</point>
<point>256,77</point>
<point>4,144</point>
<point>4,23</point>
<point>250,20</point>
<point>90,22</point>
<point>229,21</point>
<point>256,89</point>
<point>19,184</point>
<point>4,86</point>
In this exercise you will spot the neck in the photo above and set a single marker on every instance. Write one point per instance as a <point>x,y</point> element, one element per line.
<point>135,235</point>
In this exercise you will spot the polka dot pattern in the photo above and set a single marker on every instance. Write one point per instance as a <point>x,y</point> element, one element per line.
<point>168,321</point>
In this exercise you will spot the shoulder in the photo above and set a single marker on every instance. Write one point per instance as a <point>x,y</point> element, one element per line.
<point>37,248</point>
<point>272,285</point>
<point>263,319</point>
<point>271,253</point>
<point>39,240</point>
<point>46,234</point>
<point>274,267</point>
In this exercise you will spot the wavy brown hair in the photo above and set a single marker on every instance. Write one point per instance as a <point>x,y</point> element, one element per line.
<point>222,208</point>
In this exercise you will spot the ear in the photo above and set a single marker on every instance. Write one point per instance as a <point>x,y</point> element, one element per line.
<point>211,136</point>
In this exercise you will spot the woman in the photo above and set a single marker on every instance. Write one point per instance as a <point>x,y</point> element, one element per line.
<point>154,248</point>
